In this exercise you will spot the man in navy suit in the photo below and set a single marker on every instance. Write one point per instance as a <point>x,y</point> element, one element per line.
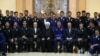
<point>2,43</point>
<point>53,22</point>
<point>95,43</point>
<point>16,19</point>
<point>26,18</point>
<point>69,18</point>
<point>58,37</point>
<point>61,18</point>
<point>69,37</point>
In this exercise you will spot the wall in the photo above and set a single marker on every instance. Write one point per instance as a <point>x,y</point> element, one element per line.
<point>22,5</point>
<point>74,6</point>
<point>7,5</point>
<point>81,5</point>
<point>77,5</point>
<point>92,6</point>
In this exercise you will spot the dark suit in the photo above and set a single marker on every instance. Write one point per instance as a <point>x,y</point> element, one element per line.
<point>47,44</point>
<point>95,40</point>
<point>62,19</point>
<point>83,18</point>
<point>7,34</point>
<point>43,22</point>
<point>27,19</point>
<point>24,34</point>
<point>14,34</point>
<point>35,19</point>
<point>1,20</point>
<point>81,33</point>
<point>68,20</point>
<point>18,20</point>
<point>7,19</point>
<point>53,23</point>
<point>35,35</point>
<point>90,30</point>
<point>69,34</point>
<point>87,21</point>
<point>76,23</point>
<point>58,38</point>
<point>2,41</point>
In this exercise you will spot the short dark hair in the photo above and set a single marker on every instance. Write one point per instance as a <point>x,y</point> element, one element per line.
<point>62,12</point>
<point>87,13</point>
<point>7,10</point>
<point>11,11</point>
<point>78,12</point>
<point>26,11</point>
<point>15,12</point>
<point>69,12</point>
<point>95,12</point>
<point>83,11</point>
<point>21,13</point>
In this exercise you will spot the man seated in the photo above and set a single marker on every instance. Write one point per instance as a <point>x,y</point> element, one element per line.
<point>95,43</point>
<point>81,38</point>
<point>2,43</point>
<point>14,36</point>
<point>47,39</point>
<point>23,42</point>
<point>58,37</point>
<point>69,37</point>
<point>7,34</point>
<point>35,37</point>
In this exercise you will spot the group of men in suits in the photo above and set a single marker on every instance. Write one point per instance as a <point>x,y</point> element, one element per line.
<point>48,34</point>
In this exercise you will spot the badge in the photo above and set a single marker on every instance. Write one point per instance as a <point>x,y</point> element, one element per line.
<point>98,38</point>
<point>9,19</point>
<point>61,29</point>
<point>26,28</point>
<point>1,18</point>
<point>37,20</point>
<point>9,30</point>
<point>80,20</point>
<point>0,28</point>
<point>55,21</point>
<point>71,19</point>
<point>16,29</point>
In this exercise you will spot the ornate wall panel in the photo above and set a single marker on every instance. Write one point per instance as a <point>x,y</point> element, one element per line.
<point>51,5</point>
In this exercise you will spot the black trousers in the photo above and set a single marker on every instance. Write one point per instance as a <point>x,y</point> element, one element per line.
<point>3,47</point>
<point>35,44</point>
<point>23,44</point>
<point>84,44</point>
<point>68,45</point>
<point>12,45</point>
<point>47,45</point>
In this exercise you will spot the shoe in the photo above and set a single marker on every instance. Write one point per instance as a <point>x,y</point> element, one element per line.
<point>79,51</point>
<point>94,55</point>
<point>86,52</point>
<point>98,54</point>
<point>4,54</point>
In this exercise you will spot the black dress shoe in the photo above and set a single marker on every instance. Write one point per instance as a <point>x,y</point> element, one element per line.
<point>4,54</point>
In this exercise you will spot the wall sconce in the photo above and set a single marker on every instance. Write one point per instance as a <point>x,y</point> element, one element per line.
<point>42,11</point>
<point>58,11</point>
